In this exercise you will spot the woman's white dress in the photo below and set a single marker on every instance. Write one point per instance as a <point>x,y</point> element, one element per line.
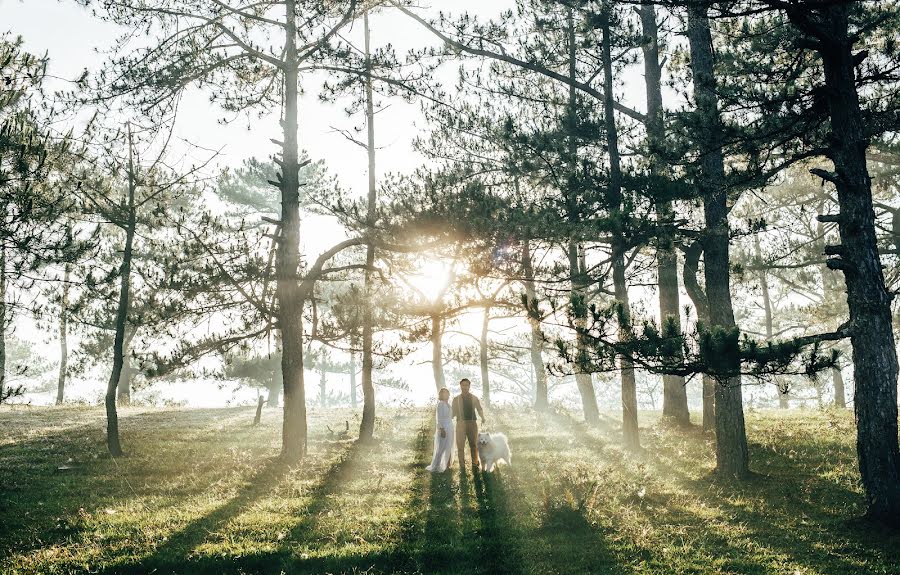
<point>443,446</point>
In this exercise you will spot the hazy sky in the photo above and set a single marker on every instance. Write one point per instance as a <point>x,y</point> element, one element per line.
<point>74,40</point>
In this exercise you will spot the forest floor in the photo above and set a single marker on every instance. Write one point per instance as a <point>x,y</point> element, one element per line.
<point>201,491</point>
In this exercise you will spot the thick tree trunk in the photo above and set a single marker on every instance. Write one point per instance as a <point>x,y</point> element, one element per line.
<point>872,338</point>
<point>577,273</point>
<point>732,457</point>
<point>483,358</point>
<point>353,400</point>
<point>112,416</point>
<point>63,338</point>
<point>367,425</point>
<point>541,400</point>
<point>675,403</point>
<point>287,292</point>
<point>437,359</point>
<point>630,430</point>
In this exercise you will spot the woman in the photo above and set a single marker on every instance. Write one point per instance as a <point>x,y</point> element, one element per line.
<point>443,434</point>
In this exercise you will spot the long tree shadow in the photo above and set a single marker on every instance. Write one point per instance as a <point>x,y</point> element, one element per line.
<point>177,551</point>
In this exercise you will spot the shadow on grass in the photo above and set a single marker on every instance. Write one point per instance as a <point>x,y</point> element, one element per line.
<point>790,512</point>
<point>176,554</point>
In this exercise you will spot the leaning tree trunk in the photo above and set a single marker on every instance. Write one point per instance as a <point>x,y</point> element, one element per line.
<point>577,273</point>
<point>287,264</point>
<point>630,430</point>
<point>483,358</point>
<point>112,416</point>
<point>437,359</point>
<point>367,425</point>
<point>675,401</point>
<point>871,335</point>
<point>732,457</point>
<point>541,400</point>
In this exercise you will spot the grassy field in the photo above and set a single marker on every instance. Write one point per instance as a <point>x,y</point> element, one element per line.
<point>202,492</point>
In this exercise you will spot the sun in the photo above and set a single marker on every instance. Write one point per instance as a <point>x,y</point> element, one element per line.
<point>431,277</point>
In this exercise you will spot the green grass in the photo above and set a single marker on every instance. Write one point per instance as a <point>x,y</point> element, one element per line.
<point>202,491</point>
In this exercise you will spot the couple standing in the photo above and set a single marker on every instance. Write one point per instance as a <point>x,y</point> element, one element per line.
<point>464,408</point>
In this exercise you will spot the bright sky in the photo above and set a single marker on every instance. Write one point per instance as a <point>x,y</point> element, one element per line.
<point>72,39</point>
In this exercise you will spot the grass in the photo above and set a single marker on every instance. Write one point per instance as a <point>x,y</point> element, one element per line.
<point>201,491</point>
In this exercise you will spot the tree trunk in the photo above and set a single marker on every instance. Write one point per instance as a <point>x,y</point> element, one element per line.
<point>837,379</point>
<point>583,379</point>
<point>541,401</point>
<point>732,457</point>
<point>483,358</point>
<point>323,382</point>
<point>692,255</point>
<point>63,340</point>
<point>763,279</point>
<point>123,393</point>
<point>367,425</point>
<point>3,321</point>
<point>630,430</point>
<point>675,402</point>
<point>274,390</point>
<point>287,292</point>
<point>709,403</point>
<point>353,400</point>
<point>437,360</point>
<point>872,338</point>
<point>112,416</point>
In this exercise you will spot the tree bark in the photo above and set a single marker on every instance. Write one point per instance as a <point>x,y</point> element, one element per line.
<point>583,379</point>
<point>112,416</point>
<point>630,430</point>
<point>353,400</point>
<point>675,402</point>
<point>483,358</point>
<point>367,425</point>
<point>437,359</point>
<point>290,304</point>
<point>732,457</point>
<point>872,338</point>
<point>63,339</point>
<point>541,400</point>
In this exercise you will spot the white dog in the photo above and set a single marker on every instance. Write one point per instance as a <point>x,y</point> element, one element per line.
<point>492,447</point>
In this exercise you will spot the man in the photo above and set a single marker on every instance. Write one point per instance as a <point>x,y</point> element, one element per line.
<point>464,407</point>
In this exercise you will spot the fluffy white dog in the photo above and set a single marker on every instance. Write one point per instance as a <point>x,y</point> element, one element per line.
<point>492,447</point>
